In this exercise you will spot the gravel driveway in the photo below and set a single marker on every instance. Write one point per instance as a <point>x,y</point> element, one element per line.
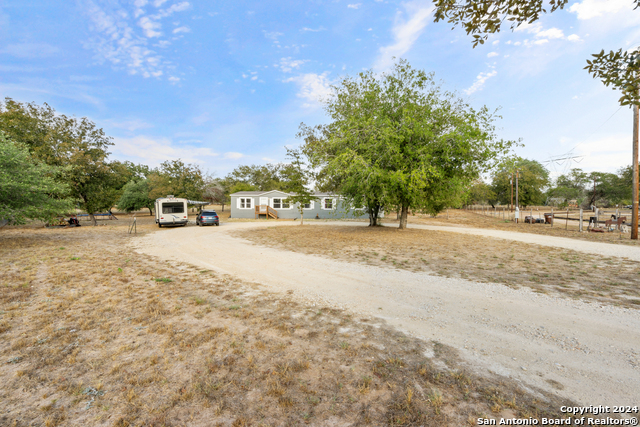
<point>583,351</point>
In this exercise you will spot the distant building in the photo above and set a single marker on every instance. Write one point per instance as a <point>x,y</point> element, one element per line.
<point>272,204</point>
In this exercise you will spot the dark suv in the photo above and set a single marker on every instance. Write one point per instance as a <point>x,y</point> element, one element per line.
<point>207,218</point>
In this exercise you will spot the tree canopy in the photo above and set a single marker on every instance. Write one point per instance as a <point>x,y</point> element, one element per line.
<point>77,144</point>
<point>532,182</point>
<point>135,196</point>
<point>399,140</point>
<point>28,188</point>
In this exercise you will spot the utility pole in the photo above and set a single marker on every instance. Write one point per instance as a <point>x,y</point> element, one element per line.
<point>634,212</point>
<point>517,200</point>
<point>511,182</point>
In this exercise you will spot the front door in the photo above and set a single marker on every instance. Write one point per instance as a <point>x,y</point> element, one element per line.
<point>264,201</point>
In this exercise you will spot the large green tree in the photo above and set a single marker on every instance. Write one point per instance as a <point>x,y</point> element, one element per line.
<point>260,177</point>
<point>28,188</point>
<point>480,18</point>
<point>135,196</point>
<point>174,177</point>
<point>398,139</point>
<point>77,144</point>
<point>533,180</point>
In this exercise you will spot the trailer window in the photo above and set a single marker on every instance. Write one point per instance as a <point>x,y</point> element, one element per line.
<point>169,208</point>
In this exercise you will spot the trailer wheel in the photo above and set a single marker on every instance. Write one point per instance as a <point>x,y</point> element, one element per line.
<point>159,225</point>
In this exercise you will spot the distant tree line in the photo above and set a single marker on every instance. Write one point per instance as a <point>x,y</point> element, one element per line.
<point>536,188</point>
<point>51,164</point>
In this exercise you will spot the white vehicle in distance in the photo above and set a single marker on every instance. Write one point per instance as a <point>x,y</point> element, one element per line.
<point>171,211</point>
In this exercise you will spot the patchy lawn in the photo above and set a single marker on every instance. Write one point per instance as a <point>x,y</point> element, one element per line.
<point>547,270</point>
<point>95,334</point>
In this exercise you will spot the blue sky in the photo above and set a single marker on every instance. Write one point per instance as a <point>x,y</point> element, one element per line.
<point>227,83</point>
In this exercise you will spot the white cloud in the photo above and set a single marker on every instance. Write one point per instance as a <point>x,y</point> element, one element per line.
<point>588,9</point>
<point>149,27</point>
<point>273,35</point>
<point>534,28</point>
<point>174,79</point>
<point>492,54</point>
<point>233,155</point>
<point>181,30</point>
<point>315,88</point>
<point>287,64</point>
<point>541,42</point>
<point>354,6</point>
<point>254,78</point>
<point>313,30</point>
<point>153,151</point>
<point>574,38</point>
<point>124,41</point>
<point>551,33</point>
<point>158,3</point>
<point>480,81</point>
<point>495,42</point>
<point>177,7</point>
<point>405,33</point>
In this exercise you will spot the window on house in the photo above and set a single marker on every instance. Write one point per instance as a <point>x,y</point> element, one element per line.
<point>245,203</point>
<point>307,206</point>
<point>328,203</point>
<point>285,205</point>
<point>277,203</point>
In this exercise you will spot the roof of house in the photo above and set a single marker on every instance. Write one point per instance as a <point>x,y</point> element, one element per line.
<point>260,193</point>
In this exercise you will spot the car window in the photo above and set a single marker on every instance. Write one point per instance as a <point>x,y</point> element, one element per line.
<point>209,214</point>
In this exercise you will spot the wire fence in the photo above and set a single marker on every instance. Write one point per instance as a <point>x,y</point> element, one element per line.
<point>569,219</point>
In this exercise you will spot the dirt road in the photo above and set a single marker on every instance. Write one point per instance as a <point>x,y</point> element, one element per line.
<point>582,351</point>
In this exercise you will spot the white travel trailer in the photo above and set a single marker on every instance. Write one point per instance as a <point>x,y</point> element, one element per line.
<point>171,211</point>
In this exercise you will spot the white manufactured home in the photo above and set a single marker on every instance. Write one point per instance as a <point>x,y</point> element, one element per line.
<point>171,211</point>
<point>273,204</point>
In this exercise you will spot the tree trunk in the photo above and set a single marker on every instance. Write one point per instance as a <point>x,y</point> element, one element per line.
<point>373,215</point>
<point>403,217</point>
<point>92,217</point>
<point>222,207</point>
<point>301,218</point>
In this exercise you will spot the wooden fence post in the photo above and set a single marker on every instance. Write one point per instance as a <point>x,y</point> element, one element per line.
<point>580,220</point>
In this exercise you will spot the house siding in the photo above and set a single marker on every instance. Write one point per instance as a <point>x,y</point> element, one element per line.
<point>338,211</point>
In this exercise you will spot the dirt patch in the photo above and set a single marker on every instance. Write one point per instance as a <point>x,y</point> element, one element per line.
<point>547,270</point>
<point>93,333</point>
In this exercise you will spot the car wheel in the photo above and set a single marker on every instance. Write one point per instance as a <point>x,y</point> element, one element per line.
<point>159,225</point>
<point>217,224</point>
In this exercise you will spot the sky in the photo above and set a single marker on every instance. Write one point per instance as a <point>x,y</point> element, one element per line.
<point>222,84</point>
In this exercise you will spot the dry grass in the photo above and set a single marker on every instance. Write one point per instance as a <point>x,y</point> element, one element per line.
<point>548,270</point>
<point>90,337</point>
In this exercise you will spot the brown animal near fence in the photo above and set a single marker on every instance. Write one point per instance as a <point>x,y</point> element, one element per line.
<point>618,222</point>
